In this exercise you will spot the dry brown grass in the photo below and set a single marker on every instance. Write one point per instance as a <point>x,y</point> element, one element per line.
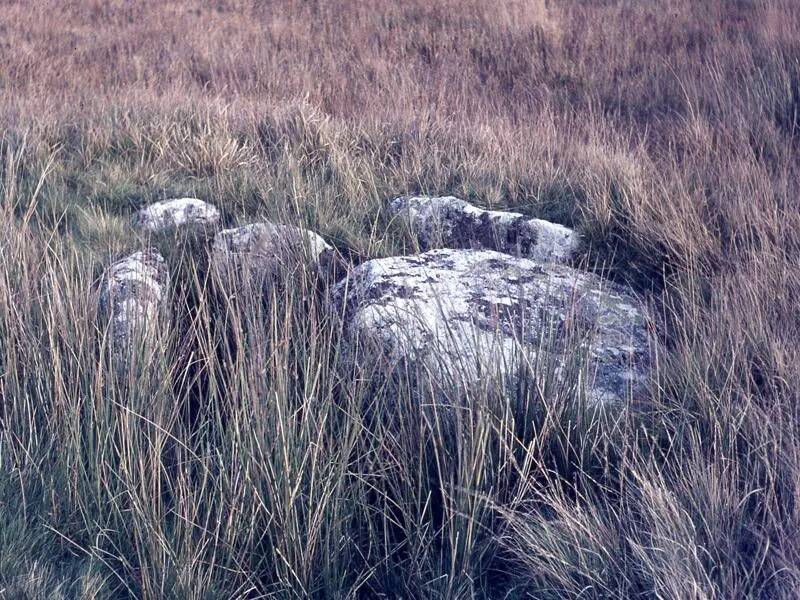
<point>666,132</point>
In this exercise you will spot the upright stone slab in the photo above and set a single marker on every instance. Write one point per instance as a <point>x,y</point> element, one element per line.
<point>132,299</point>
<point>470,314</point>
<point>453,223</point>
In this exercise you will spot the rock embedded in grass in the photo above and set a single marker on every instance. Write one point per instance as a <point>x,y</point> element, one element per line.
<point>465,314</point>
<point>268,249</point>
<point>453,223</point>
<point>179,212</point>
<point>132,298</point>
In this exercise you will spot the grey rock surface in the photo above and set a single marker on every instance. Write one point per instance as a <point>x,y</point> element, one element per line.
<point>466,313</point>
<point>178,212</point>
<point>453,223</point>
<point>265,248</point>
<point>132,297</point>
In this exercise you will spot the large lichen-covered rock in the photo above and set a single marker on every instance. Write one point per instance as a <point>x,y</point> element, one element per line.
<point>473,313</point>
<point>132,298</point>
<point>179,212</point>
<point>453,223</point>
<point>267,249</point>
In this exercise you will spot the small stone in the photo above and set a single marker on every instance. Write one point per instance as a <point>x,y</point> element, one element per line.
<point>266,248</point>
<point>179,212</point>
<point>132,297</point>
<point>454,223</point>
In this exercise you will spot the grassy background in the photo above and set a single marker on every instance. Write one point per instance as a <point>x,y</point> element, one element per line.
<point>246,458</point>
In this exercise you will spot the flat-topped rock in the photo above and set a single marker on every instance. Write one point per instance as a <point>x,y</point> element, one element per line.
<point>450,222</point>
<point>178,212</point>
<point>465,314</point>
<point>267,248</point>
<point>132,298</point>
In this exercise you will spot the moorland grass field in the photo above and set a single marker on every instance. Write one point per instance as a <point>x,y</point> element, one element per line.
<point>245,459</point>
